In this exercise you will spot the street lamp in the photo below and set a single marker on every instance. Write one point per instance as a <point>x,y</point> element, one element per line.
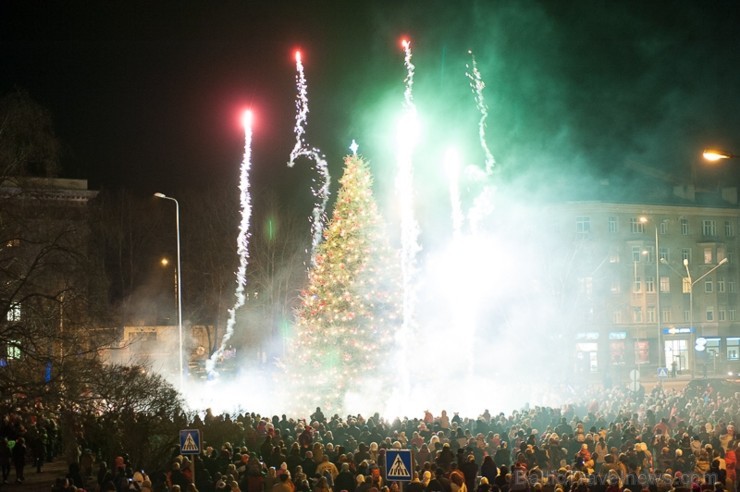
<point>691,284</point>
<point>717,155</point>
<point>643,220</point>
<point>179,284</point>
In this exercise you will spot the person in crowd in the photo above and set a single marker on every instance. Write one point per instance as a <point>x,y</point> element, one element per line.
<point>18,454</point>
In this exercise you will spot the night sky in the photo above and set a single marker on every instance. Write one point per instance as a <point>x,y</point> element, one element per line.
<point>147,95</point>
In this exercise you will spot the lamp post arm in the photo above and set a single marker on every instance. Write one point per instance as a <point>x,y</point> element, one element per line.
<point>724,260</point>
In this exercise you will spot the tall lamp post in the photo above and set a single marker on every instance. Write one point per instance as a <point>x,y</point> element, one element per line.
<point>691,292</point>
<point>179,284</point>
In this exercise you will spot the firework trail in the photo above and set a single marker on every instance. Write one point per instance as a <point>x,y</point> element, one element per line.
<point>407,135</point>
<point>302,149</point>
<point>452,164</point>
<point>477,85</point>
<point>242,243</point>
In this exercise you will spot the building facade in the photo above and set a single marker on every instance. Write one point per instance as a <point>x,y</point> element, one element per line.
<point>657,286</point>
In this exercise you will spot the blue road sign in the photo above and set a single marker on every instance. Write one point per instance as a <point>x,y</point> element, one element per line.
<point>398,465</point>
<point>662,372</point>
<point>190,441</point>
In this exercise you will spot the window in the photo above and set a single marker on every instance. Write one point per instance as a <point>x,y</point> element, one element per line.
<point>663,254</point>
<point>615,288</point>
<point>721,253</point>
<point>651,315</point>
<point>729,229</point>
<point>687,316</point>
<point>617,316</point>
<point>731,315</point>
<point>721,285</point>
<point>636,253</point>
<point>613,225</point>
<point>684,227</point>
<point>712,347</point>
<point>663,227</point>
<point>731,286</point>
<point>649,254</point>
<point>685,254</point>
<point>583,226</point>
<point>14,349</point>
<point>709,227</point>
<point>686,286</point>
<point>14,312</point>
<point>721,315</point>
<point>636,315</point>
<point>636,226</point>
<point>614,257</point>
<point>665,284</point>
<point>733,348</point>
<point>585,286</point>
<point>637,287</point>
<point>650,285</point>
<point>13,243</point>
<point>710,313</point>
<point>708,287</point>
<point>666,315</point>
<point>708,255</point>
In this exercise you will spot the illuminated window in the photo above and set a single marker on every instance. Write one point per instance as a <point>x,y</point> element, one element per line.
<point>708,255</point>
<point>686,286</point>
<point>14,349</point>
<point>14,312</point>
<point>665,284</point>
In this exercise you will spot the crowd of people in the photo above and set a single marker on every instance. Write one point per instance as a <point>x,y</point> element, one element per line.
<point>612,441</point>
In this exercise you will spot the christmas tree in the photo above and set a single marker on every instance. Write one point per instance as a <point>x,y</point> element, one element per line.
<point>350,310</point>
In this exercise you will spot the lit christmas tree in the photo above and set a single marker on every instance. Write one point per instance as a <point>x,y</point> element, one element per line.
<point>350,310</point>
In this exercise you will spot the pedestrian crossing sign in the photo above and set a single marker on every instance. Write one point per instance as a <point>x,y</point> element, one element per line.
<point>662,372</point>
<point>190,441</point>
<point>398,465</point>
